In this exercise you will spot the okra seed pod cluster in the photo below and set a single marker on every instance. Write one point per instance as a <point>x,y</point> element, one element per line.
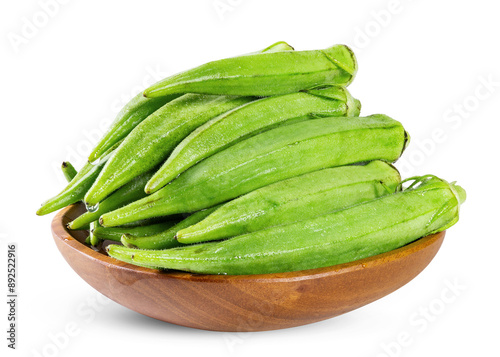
<point>254,164</point>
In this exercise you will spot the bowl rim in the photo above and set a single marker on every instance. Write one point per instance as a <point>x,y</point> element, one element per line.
<point>63,234</point>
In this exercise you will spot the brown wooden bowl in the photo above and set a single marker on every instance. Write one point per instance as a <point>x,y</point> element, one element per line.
<point>242,302</point>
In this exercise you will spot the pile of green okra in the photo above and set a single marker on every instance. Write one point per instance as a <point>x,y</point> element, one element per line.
<point>254,164</point>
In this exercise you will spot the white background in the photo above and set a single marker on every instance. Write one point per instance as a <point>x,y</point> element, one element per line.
<point>67,69</point>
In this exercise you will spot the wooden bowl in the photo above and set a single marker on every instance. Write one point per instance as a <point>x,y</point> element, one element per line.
<point>242,302</point>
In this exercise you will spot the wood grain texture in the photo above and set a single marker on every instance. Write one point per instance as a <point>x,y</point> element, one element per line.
<point>243,302</point>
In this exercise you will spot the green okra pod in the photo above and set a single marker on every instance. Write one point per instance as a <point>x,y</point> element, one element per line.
<point>77,188</point>
<point>68,170</point>
<point>295,199</point>
<point>269,157</point>
<point>116,233</point>
<point>249,119</point>
<point>150,143</point>
<point>263,74</point>
<point>165,239</point>
<point>93,239</point>
<point>357,232</point>
<point>133,113</point>
<point>139,108</point>
<point>130,192</point>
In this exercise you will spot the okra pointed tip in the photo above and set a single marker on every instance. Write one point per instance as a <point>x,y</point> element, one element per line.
<point>75,224</point>
<point>152,186</point>
<point>152,92</point>
<point>89,201</point>
<point>45,209</point>
<point>94,156</point>
<point>94,240</point>
<point>100,151</point>
<point>180,236</point>
<point>125,240</point>
<point>184,236</point>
